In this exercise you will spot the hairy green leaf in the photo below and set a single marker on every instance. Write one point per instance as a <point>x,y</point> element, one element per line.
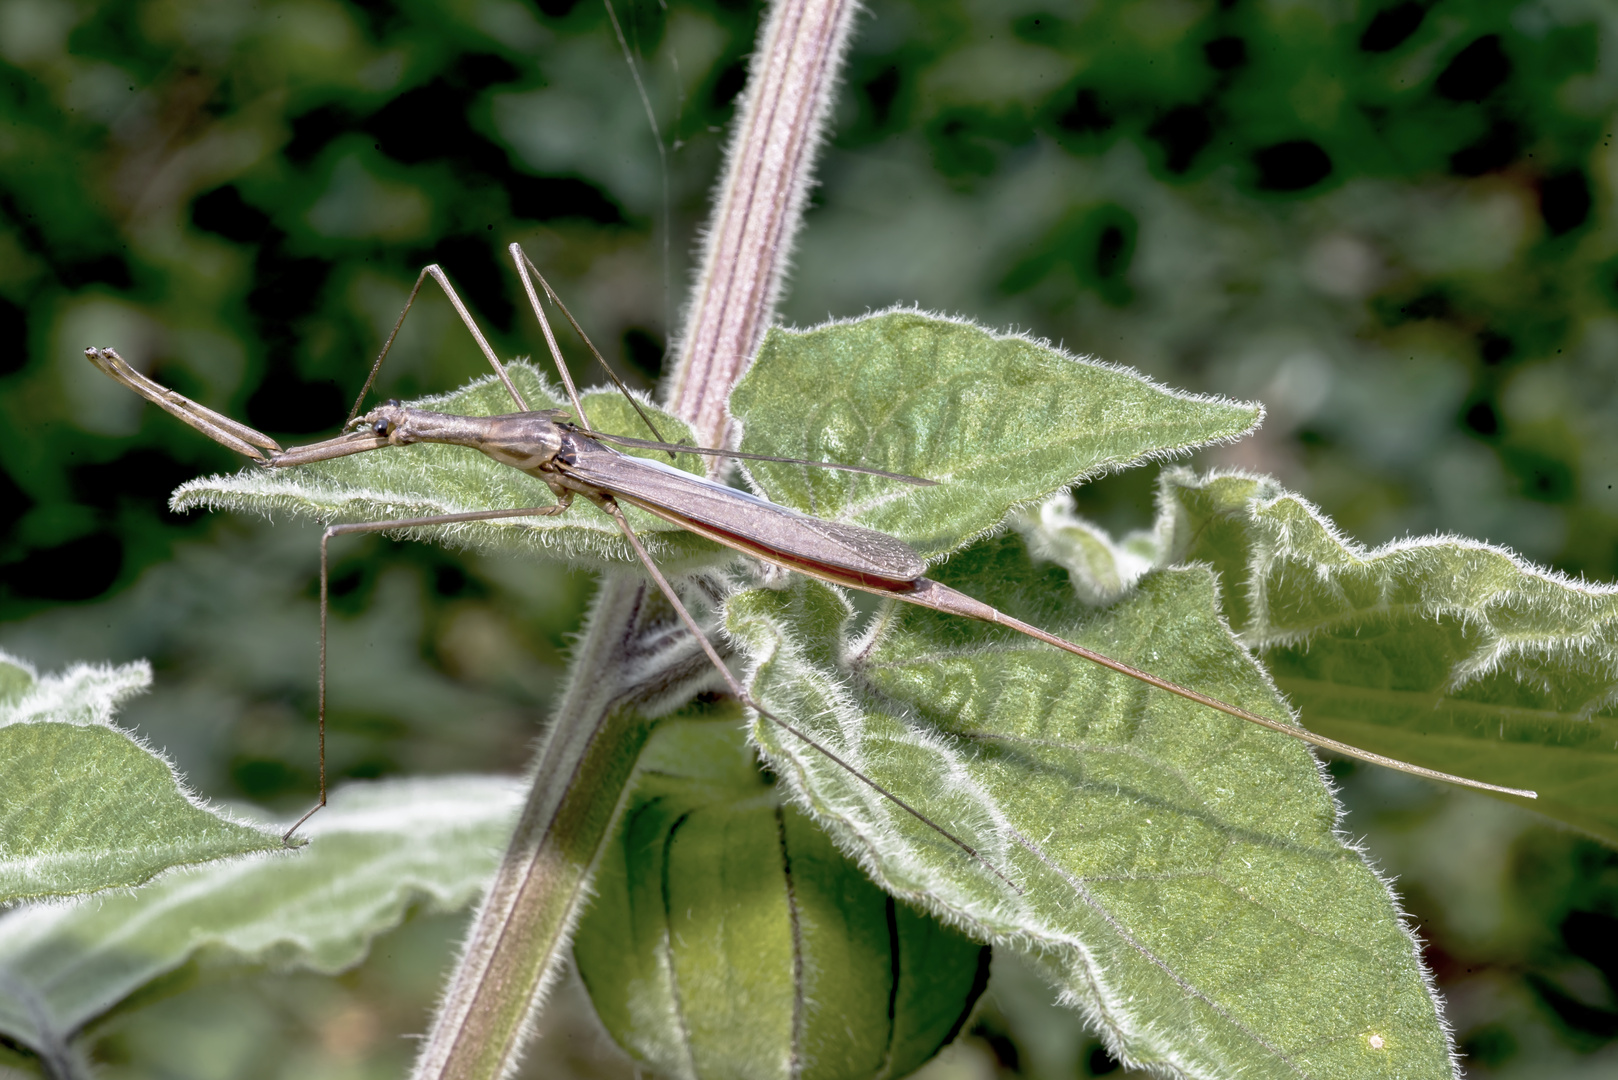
<point>1445,652</point>
<point>1176,872</point>
<point>84,805</point>
<point>375,853</point>
<point>998,420</point>
<point>430,480</point>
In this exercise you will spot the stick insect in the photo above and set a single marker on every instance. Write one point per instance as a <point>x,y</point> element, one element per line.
<point>573,459</point>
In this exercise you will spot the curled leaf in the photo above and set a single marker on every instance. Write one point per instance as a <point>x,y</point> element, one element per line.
<point>1442,651</point>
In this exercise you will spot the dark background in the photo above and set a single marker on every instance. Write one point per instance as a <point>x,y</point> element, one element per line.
<point>1392,222</point>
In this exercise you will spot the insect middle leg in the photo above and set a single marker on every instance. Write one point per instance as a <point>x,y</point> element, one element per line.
<point>527,272</point>
<point>362,527</point>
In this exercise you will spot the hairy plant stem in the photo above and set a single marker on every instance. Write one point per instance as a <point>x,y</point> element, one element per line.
<point>521,933</point>
<point>758,206</point>
<point>527,917</point>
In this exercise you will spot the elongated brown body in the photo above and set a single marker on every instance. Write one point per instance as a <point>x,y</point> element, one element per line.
<point>571,461</point>
<point>574,462</point>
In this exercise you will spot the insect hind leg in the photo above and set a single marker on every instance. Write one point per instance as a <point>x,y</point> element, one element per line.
<point>617,514</point>
<point>528,272</point>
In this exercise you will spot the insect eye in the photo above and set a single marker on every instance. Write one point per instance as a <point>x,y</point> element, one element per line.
<point>381,427</point>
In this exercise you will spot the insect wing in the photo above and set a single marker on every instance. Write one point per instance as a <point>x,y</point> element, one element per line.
<point>746,522</point>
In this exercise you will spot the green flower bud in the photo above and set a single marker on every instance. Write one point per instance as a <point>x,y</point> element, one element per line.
<point>729,938</point>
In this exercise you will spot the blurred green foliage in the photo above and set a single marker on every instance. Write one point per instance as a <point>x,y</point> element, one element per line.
<point>1391,221</point>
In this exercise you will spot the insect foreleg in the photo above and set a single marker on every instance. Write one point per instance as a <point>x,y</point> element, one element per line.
<point>218,427</point>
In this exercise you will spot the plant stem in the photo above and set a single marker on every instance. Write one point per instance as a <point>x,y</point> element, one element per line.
<point>526,919</point>
<point>522,930</point>
<point>758,206</point>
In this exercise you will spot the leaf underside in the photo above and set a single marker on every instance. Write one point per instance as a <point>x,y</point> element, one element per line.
<point>83,805</point>
<point>375,853</point>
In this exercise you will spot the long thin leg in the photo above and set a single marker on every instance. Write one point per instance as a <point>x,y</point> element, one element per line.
<point>436,272</point>
<point>519,257</point>
<point>249,442</point>
<point>612,508</point>
<point>525,267</point>
<point>359,527</point>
